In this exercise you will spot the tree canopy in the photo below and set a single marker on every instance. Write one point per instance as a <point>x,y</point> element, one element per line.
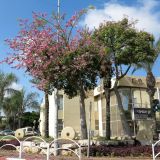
<point>56,56</point>
<point>123,45</point>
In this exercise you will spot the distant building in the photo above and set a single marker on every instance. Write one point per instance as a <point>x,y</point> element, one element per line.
<point>133,94</point>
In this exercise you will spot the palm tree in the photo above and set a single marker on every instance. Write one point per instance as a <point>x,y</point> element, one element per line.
<point>18,102</point>
<point>150,78</point>
<point>6,80</point>
<point>150,82</point>
<point>10,111</point>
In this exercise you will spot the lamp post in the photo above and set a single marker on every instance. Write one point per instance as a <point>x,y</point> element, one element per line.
<point>89,130</point>
<point>56,92</point>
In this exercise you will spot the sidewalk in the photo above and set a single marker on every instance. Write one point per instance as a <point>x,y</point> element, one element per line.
<point>76,158</point>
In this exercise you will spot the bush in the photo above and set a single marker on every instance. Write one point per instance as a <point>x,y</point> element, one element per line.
<point>121,151</point>
<point>12,142</point>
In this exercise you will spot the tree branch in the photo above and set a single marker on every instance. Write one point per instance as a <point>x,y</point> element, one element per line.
<point>119,77</point>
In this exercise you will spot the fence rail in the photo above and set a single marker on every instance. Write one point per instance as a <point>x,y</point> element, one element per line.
<point>49,145</point>
<point>155,155</point>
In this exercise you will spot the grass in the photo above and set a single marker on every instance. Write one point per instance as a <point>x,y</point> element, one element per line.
<point>8,137</point>
<point>33,139</point>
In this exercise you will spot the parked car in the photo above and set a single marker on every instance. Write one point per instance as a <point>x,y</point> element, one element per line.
<point>7,132</point>
<point>28,131</point>
<point>1,132</point>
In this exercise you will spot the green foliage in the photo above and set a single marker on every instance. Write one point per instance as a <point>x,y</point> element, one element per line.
<point>19,101</point>
<point>2,126</point>
<point>122,45</point>
<point>148,66</point>
<point>125,44</point>
<point>16,104</point>
<point>158,45</point>
<point>156,105</point>
<point>99,138</point>
<point>5,82</point>
<point>78,68</point>
<point>29,117</point>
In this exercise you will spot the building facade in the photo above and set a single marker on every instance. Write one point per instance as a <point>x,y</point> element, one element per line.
<point>133,94</point>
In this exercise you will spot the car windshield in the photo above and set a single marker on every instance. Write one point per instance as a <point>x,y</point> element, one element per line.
<point>29,129</point>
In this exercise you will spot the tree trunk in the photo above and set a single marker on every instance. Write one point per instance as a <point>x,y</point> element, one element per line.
<point>106,73</point>
<point>124,122</point>
<point>46,115</point>
<point>153,115</point>
<point>151,81</point>
<point>108,129</point>
<point>14,122</point>
<point>107,86</point>
<point>83,114</point>
<point>154,130</point>
<point>19,121</point>
<point>8,122</point>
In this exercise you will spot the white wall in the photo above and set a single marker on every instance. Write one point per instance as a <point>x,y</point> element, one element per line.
<point>53,114</point>
<point>42,119</point>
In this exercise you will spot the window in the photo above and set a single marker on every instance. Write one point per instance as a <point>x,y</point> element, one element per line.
<point>60,125</point>
<point>126,98</point>
<point>60,102</point>
<point>96,124</point>
<point>96,106</point>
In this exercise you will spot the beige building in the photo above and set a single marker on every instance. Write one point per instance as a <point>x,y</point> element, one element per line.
<point>133,93</point>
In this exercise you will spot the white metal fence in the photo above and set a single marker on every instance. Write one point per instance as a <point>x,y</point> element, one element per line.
<point>48,145</point>
<point>155,155</point>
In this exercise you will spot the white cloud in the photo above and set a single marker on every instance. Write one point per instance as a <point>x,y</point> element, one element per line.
<point>144,11</point>
<point>16,86</point>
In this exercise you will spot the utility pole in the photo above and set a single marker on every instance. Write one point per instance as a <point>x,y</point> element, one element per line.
<point>89,130</point>
<point>58,11</point>
<point>56,92</point>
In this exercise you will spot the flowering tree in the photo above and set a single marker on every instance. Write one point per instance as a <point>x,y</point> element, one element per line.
<point>80,73</point>
<point>56,60</point>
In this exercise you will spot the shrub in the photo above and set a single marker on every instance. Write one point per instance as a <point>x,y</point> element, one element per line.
<point>12,142</point>
<point>121,151</point>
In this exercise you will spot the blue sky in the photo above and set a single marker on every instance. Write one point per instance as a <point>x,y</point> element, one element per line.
<point>146,11</point>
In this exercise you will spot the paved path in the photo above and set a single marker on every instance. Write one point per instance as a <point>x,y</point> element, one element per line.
<point>31,157</point>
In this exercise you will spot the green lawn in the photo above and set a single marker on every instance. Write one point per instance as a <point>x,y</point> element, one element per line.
<point>8,137</point>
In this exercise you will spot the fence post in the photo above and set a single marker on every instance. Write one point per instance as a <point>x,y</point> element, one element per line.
<point>48,151</point>
<point>80,155</point>
<point>20,149</point>
<point>89,130</point>
<point>153,153</point>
